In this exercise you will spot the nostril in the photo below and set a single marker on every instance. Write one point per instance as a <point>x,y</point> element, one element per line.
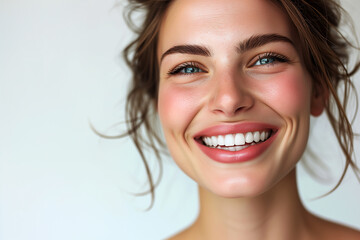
<point>231,100</point>
<point>231,109</point>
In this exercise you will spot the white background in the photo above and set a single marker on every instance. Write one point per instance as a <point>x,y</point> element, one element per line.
<point>60,68</point>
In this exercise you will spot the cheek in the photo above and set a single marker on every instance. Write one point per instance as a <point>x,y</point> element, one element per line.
<point>176,106</point>
<point>288,93</point>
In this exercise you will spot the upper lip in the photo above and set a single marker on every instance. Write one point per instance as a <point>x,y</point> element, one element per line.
<point>224,129</point>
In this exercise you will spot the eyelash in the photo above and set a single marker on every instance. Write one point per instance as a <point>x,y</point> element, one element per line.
<point>182,66</point>
<point>277,57</point>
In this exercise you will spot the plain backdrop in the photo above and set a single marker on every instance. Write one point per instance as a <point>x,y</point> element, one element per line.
<point>60,68</point>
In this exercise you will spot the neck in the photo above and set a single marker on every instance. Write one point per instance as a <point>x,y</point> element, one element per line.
<point>277,214</point>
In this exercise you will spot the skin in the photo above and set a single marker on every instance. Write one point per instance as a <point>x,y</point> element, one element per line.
<point>256,199</point>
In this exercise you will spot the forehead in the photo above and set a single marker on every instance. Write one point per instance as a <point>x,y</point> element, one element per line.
<point>208,22</point>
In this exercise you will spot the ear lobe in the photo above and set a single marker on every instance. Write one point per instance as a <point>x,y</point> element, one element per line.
<point>319,99</point>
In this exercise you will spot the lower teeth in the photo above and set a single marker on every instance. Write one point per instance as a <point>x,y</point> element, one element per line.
<point>234,148</point>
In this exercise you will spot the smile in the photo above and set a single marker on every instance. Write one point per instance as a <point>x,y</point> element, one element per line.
<point>236,142</point>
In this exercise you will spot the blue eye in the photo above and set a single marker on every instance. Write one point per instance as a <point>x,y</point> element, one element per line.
<point>186,68</point>
<point>190,69</point>
<point>264,61</point>
<point>270,58</point>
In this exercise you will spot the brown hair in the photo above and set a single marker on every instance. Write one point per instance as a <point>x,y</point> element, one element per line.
<point>324,50</point>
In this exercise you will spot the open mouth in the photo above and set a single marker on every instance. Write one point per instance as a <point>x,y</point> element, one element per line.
<point>236,141</point>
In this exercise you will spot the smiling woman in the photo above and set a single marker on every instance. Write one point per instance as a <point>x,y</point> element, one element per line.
<point>246,76</point>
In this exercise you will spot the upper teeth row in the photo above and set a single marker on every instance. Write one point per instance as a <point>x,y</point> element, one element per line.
<point>236,139</point>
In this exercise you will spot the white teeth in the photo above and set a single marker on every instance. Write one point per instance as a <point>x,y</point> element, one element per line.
<point>256,136</point>
<point>239,139</point>
<point>221,140</point>
<point>234,148</point>
<point>249,138</point>
<point>214,141</point>
<point>229,140</point>
<point>236,142</point>
<point>262,136</point>
<point>238,148</point>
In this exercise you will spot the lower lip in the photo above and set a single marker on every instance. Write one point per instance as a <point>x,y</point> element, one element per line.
<point>247,154</point>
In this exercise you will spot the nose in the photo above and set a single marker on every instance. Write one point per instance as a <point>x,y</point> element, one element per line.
<point>230,96</point>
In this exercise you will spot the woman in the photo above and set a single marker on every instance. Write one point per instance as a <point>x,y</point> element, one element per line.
<point>234,84</point>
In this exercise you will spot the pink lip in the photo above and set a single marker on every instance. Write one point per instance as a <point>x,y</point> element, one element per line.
<point>244,155</point>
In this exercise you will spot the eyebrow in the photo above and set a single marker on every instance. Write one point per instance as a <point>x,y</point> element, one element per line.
<point>246,45</point>
<point>187,49</point>
<point>260,40</point>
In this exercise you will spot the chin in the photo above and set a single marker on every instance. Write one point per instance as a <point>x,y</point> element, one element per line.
<point>244,186</point>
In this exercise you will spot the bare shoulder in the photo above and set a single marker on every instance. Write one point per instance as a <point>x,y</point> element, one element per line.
<point>332,231</point>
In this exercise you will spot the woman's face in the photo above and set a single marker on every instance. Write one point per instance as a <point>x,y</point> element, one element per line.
<point>234,96</point>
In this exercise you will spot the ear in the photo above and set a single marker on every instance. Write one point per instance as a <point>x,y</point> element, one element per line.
<point>319,99</point>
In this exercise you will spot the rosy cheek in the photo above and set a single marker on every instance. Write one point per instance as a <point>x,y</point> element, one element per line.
<point>177,106</point>
<point>288,92</point>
